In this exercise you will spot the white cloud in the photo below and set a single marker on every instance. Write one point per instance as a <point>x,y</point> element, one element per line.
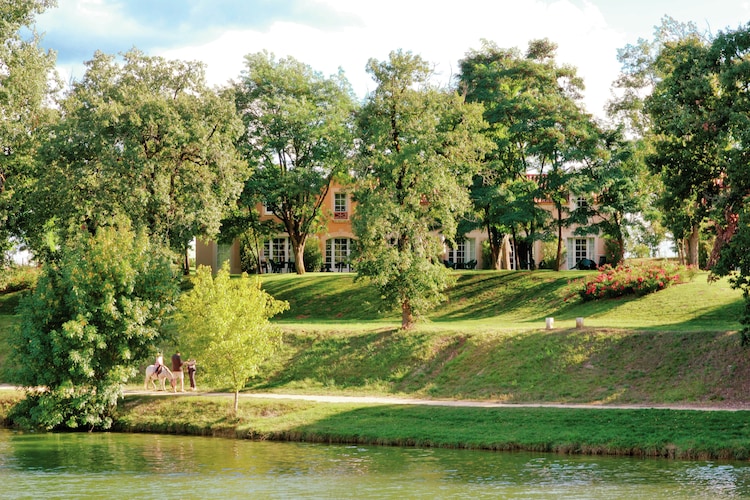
<point>441,33</point>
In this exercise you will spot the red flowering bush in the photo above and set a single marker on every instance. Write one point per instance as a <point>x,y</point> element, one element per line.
<point>635,279</point>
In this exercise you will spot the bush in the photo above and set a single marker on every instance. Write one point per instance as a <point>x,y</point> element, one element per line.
<point>312,255</point>
<point>18,278</point>
<point>636,279</point>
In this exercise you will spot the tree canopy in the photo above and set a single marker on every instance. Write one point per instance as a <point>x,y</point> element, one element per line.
<point>419,148</point>
<point>298,138</point>
<point>96,310</point>
<point>536,124</point>
<point>27,85</point>
<point>146,139</point>
<point>225,325</point>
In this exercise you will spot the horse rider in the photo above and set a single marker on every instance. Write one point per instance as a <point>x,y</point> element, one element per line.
<point>158,364</point>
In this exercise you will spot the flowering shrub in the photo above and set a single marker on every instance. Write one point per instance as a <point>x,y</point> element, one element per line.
<point>636,279</point>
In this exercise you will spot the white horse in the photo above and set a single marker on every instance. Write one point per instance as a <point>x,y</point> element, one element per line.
<point>165,373</point>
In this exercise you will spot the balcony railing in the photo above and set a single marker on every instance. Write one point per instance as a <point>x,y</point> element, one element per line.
<point>340,215</point>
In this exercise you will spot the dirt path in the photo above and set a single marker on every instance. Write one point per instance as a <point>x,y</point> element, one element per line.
<point>388,400</point>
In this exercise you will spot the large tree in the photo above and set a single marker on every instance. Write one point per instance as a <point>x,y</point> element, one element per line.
<point>535,123</point>
<point>689,147</point>
<point>96,311</point>
<point>145,138</point>
<point>298,139</point>
<point>27,83</point>
<point>645,67</point>
<point>419,148</point>
<point>614,185</point>
<point>729,61</point>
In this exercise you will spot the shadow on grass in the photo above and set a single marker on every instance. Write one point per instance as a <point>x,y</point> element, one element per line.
<point>655,433</point>
<point>565,365</point>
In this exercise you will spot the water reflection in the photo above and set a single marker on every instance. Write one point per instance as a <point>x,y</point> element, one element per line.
<point>154,466</point>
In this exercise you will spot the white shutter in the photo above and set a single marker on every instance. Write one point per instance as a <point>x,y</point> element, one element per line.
<point>571,252</point>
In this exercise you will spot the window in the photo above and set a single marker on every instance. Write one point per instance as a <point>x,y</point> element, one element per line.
<point>581,202</point>
<point>340,208</point>
<point>337,253</point>
<point>278,249</point>
<point>463,252</point>
<point>580,248</point>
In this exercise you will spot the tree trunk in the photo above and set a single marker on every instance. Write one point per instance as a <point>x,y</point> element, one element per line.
<point>558,258</point>
<point>299,258</point>
<point>186,267</point>
<point>515,251</point>
<point>236,401</point>
<point>693,242</point>
<point>407,318</point>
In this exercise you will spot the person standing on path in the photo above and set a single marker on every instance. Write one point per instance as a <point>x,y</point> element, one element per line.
<point>191,373</point>
<point>177,369</point>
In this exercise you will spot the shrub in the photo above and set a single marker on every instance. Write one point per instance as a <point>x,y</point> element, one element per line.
<point>18,278</point>
<point>312,255</point>
<point>637,279</point>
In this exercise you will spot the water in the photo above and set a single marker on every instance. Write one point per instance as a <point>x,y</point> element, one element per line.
<point>142,466</point>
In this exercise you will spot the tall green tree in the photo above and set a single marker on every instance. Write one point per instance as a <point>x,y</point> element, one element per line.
<point>729,61</point>
<point>689,148</point>
<point>419,148</point>
<point>145,138</point>
<point>27,86</point>
<point>535,123</point>
<point>614,185</point>
<point>224,323</point>
<point>96,311</point>
<point>298,138</point>
<point>644,69</point>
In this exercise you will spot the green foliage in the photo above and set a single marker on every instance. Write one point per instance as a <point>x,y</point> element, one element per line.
<point>637,279</point>
<point>313,256</point>
<point>419,150</point>
<point>298,138</point>
<point>143,138</point>
<point>16,278</point>
<point>95,312</point>
<point>533,123</point>
<point>27,85</point>
<point>224,324</point>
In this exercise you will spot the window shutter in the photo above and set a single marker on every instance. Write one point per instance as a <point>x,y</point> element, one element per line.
<point>571,252</point>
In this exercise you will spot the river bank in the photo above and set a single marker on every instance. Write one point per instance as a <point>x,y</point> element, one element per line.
<point>679,433</point>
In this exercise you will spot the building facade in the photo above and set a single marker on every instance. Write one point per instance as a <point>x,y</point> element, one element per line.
<point>336,243</point>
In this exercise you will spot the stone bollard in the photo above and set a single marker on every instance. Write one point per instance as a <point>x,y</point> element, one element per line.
<point>550,323</point>
<point>579,322</point>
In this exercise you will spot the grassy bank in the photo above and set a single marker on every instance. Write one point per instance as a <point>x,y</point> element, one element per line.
<point>648,432</point>
<point>683,434</point>
<point>488,342</point>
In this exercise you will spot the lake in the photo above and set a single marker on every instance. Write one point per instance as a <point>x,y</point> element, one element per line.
<point>112,465</point>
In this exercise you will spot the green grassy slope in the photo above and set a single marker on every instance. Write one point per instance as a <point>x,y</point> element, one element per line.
<point>488,342</point>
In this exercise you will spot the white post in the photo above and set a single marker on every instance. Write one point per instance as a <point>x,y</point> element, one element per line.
<point>579,322</point>
<point>550,323</point>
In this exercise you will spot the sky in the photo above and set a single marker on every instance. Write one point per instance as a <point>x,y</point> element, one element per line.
<point>332,34</point>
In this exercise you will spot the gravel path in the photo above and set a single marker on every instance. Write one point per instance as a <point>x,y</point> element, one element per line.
<point>388,400</point>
